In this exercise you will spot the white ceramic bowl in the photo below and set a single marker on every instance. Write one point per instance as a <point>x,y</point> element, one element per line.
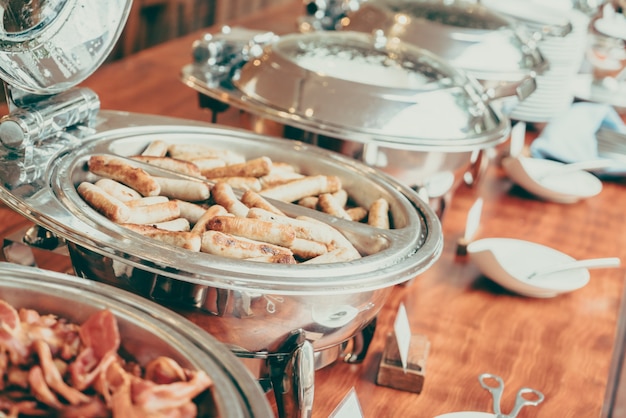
<point>543,179</point>
<point>509,262</point>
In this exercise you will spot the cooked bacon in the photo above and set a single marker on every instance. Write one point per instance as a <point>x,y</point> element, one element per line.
<point>29,408</point>
<point>51,367</point>
<point>12,339</point>
<point>84,376</point>
<point>94,408</point>
<point>17,377</point>
<point>173,395</point>
<point>164,370</point>
<point>40,389</point>
<point>121,399</point>
<point>53,377</point>
<point>100,333</point>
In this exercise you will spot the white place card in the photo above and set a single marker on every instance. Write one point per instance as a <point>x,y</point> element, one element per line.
<point>402,330</point>
<point>349,407</point>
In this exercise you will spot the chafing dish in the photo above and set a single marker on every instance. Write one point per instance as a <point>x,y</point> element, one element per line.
<point>392,105</point>
<point>147,331</point>
<point>470,36</point>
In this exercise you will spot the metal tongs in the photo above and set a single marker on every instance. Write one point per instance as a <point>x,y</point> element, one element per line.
<point>487,381</point>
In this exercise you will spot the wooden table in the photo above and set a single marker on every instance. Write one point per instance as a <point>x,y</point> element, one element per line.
<point>564,346</point>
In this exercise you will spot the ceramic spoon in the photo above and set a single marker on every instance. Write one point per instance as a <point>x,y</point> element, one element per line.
<point>592,263</point>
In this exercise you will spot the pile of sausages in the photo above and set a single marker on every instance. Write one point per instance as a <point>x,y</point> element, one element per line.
<point>220,203</point>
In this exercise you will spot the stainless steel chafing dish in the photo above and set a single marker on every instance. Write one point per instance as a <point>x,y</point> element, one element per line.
<point>147,331</point>
<point>289,319</point>
<point>470,36</point>
<point>390,104</point>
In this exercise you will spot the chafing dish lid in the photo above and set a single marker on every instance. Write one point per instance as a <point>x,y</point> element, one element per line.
<point>49,46</point>
<point>367,87</point>
<point>469,36</point>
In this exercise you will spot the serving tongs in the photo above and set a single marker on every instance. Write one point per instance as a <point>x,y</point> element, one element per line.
<point>524,397</point>
<point>368,240</point>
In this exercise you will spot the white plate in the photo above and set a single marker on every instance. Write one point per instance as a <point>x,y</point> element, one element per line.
<point>509,262</point>
<point>613,27</point>
<point>466,415</point>
<point>567,187</point>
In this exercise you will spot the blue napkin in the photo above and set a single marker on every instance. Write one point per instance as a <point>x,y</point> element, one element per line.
<point>570,136</point>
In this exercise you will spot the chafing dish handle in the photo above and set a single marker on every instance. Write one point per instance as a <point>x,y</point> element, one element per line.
<point>293,377</point>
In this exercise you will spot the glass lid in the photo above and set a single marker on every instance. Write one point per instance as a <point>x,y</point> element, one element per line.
<point>368,88</point>
<point>49,46</point>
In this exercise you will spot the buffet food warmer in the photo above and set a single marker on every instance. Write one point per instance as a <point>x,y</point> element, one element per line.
<point>147,332</point>
<point>375,98</point>
<point>490,46</point>
<point>286,319</point>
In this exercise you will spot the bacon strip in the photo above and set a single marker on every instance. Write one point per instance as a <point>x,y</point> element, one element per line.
<point>54,379</point>
<point>41,383</point>
<point>12,337</point>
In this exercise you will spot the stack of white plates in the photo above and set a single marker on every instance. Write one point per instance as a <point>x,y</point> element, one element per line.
<point>610,55</point>
<point>565,55</point>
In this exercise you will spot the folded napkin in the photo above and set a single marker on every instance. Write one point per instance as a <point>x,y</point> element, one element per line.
<point>570,137</point>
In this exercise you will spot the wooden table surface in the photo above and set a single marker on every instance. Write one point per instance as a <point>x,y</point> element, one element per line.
<point>562,346</point>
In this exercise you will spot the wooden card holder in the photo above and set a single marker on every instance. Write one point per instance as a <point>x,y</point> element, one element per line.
<point>390,371</point>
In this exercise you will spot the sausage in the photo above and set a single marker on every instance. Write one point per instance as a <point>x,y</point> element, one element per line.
<point>216,210</point>
<point>151,214</point>
<point>117,189</point>
<point>256,229</point>
<point>306,186</point>
<point>305,249</point>
<point>146,201</point>
<point>193,152</point>
<point>244,183</point>
<point>328,204</point>
<point>252,168</point>
<point>190,211</point>
<point>255,200</point>
<point>172,164</point>
<point>104,203</point>
<point>156,148</point>
<point>303,228</point>
<point>189,190</point>
<point>218,243</point>
<point>118,169</point>
<point>379,214</point>
<point>223,195</point>
<point>186,240</point>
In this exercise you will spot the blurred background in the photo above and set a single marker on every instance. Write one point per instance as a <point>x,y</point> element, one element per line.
<point>154,21</point>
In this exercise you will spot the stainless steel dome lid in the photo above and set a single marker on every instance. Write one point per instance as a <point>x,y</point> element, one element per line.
<point>40,183</point>
<point>49,46</point>
<point>360,87</point>
<point>372,87</point>
<point>468,35</point>
<point>147,330</point>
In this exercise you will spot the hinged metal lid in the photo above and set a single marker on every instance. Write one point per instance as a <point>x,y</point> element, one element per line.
<point>47,47</point>
<point>362,87</point>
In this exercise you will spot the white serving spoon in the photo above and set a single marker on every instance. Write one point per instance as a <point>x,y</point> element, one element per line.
<point>591,263</point>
